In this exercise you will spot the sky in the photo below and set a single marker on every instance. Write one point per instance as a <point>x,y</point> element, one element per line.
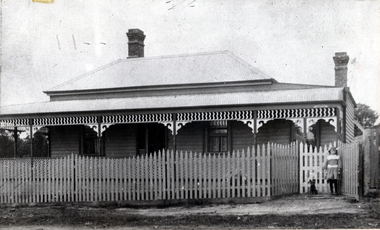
<point>293,41</point>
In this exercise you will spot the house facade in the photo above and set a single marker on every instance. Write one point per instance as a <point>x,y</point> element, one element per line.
<point>205,102</point>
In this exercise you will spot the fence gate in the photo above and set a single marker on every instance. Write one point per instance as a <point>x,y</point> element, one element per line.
<point>311,161</point>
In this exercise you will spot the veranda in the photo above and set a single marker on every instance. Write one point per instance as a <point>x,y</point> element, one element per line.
<point>262,172</point>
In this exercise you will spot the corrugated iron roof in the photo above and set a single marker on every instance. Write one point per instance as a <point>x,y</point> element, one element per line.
<point>180,101</point>
<point>166,70</point>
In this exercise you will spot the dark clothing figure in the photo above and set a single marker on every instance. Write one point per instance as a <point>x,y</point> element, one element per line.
<point>313,189</point>
<point>333,184</point>
<point>310,140</point>
<point>312,182</point>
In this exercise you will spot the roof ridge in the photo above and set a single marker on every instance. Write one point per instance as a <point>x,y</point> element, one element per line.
<point>249,66</point>
<point>84,75</point>
<point>177,55</point>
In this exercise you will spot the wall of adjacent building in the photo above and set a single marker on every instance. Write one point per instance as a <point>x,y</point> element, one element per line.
<point>350,119</point>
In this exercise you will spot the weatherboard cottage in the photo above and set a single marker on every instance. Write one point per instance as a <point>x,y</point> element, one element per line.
<point>204,102</point>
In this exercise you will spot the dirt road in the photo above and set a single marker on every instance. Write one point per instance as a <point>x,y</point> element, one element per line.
<point>299,211</point>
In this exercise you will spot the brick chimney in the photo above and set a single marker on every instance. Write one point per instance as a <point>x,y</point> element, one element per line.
<point>341,61</point>
<point>135,43</point>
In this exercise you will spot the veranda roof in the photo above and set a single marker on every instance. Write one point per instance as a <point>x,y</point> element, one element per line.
<point>314,95</point>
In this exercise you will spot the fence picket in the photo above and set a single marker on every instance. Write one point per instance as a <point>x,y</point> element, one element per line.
<point>23,183</point>
<point>103,184</point>
<point>2,182</point>
<point>77,178</point>
<point>191,175</point>
<point>231,174</point>
<point>173,176</point>
<point>259,171</point>
<point>149,179</point>
<point>267,170</point>
<point>237,174</point>
<point>65,179</point>
<point>159,176</point>
<point>249,172</point>
<point>7,179</point>
<point>214,177</point>
<point>93,170</point>
<point>164,175</point>
<point>203,175</point>
<point>129,184</point>
<point>181,177</point>
<point>198,174</point>
<point>274,176</point>
<point>59,172</point>
<point>7,184</point>
<point>185,173</point>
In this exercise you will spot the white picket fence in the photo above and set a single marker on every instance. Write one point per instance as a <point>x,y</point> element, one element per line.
<point>312,159</point>
<point>266,171</point>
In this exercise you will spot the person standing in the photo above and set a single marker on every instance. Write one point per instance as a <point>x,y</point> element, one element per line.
<point>310,139</point>
<point>332,167</point>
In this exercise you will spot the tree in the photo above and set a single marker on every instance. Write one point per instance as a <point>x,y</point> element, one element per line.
<point>6,144</point>
<point>40,145</point>
<point>365,116</point>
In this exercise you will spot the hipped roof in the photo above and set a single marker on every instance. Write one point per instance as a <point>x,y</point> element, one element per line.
<point>165,70</point>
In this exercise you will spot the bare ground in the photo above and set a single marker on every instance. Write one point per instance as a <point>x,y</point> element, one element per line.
<point>298,211</point>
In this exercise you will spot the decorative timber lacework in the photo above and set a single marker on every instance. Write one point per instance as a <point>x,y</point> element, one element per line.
<point>51,121</point>
<point>296,113</point>
<point>136,118</point>
<point>312,115</point>
<point>184,118</point>
<point>166,119</point>
<point>212,116</point>
<point>11,123</point>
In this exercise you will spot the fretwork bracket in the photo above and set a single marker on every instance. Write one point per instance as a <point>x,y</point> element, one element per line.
<point>103,128</point>
<point>331,120</point>
<point>261,122</point>
<point>250,123</point>
<point>170,126</point>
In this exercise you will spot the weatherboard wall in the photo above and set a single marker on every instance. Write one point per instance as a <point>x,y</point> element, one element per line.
<point>65,140</point>
<point>120,141</point>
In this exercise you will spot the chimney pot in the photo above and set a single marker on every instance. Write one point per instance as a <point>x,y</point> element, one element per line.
<point>135,43</point>
<point>341,60</point>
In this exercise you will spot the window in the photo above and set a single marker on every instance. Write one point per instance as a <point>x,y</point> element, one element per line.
<point>217,136</point>
<point>91,142</point>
